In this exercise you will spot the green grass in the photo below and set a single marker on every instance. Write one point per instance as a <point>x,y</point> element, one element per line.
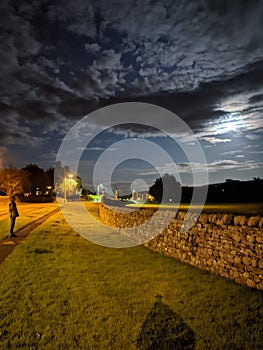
<point>93,209</point>
<point>228,208</point>
<point>24,220</point>
<point>59,291</point>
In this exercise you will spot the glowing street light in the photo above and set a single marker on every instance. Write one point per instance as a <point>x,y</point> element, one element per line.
<point>98,190</point>
<point>70,176</point>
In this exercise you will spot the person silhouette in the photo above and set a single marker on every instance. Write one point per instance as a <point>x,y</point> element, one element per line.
<point>13,213</point>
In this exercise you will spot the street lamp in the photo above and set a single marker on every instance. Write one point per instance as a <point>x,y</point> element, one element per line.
<point>70,176</point>
<point>98,190</point>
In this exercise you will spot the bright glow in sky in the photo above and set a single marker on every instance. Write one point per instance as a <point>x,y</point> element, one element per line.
<point>232,123</point>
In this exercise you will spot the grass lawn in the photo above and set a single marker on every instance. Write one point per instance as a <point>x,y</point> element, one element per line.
<point>217,208</point>
<point>59,291</point>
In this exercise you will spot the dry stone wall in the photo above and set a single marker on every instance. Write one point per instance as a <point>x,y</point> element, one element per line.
<point>228,245</point>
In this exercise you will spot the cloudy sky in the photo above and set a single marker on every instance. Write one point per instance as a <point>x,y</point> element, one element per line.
<point>203,60</point>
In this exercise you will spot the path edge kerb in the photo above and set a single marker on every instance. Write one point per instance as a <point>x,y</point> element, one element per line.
<point>44,218</point>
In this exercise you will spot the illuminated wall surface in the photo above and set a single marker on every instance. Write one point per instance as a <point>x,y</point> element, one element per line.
<point>228,245</point>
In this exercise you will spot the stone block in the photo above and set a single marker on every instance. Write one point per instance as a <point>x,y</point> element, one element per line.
<point>236,237</point>
<point>246,275</point>
<point>236,274</point>
<point>254,221</point>
<point>250,268</point>
<point>203,218</point>
<point>237,260</point>
<point>246,260</point>
<point>240,220</point>
<point>240,280</point>
<point>212,218</point>
<point>250,238</point>
<point>256,279</point>
<point>227,219</point>
<point>259,239</point>
<point>248,230</point>
<point>181,215</point>
<point>254,262</point>
<point>216,252</point>
<point>251,283</point>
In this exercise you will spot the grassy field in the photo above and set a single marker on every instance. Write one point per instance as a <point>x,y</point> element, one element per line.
<point>59,291</point>
<point>227,208</point>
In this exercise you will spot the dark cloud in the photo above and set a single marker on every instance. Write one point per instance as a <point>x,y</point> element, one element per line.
<point>60,60</point>
<point>169,47</point>
<point>15,132</point>
<point>77,16</point>
<point>213,167</point>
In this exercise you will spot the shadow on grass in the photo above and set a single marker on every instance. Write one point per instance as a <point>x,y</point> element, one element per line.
<point>164,330</point>
<point>41,251</point>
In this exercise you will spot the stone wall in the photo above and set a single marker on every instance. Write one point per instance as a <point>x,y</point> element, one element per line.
<point>228,245</point>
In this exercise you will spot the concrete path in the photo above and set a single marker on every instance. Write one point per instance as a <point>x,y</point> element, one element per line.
<point>8,244</point>
<point>84,223</point>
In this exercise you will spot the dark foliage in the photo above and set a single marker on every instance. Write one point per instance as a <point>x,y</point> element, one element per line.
<point>231,191</point>
<point>235,191</point>
<point>37,178</point>
<point>166,189</point>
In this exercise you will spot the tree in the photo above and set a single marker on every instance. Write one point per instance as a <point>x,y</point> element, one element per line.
<point>257,179</point>
<point>166,189</point>
<point>37,177</point>
<point>50,174</point>
<point>25,180</point>
<point>11,181</point>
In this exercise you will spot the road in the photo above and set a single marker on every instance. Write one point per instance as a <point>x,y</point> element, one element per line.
<point>24,209</point>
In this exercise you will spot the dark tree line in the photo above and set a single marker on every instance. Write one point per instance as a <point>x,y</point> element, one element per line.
<point>31,180</point>
<point>236,191</point>
<point>166,189</point>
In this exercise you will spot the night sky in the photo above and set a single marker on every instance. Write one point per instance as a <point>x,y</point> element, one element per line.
<point>203,60</point>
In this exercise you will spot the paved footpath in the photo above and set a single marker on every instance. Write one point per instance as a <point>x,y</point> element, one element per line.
<point>79,218</point>
<point>8,244</point>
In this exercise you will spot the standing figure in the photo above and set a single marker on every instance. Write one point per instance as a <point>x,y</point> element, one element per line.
<point>13,213</point>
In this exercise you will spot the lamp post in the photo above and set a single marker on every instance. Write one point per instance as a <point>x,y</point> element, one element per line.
<point>98,191</point>
<point>65,185</point>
